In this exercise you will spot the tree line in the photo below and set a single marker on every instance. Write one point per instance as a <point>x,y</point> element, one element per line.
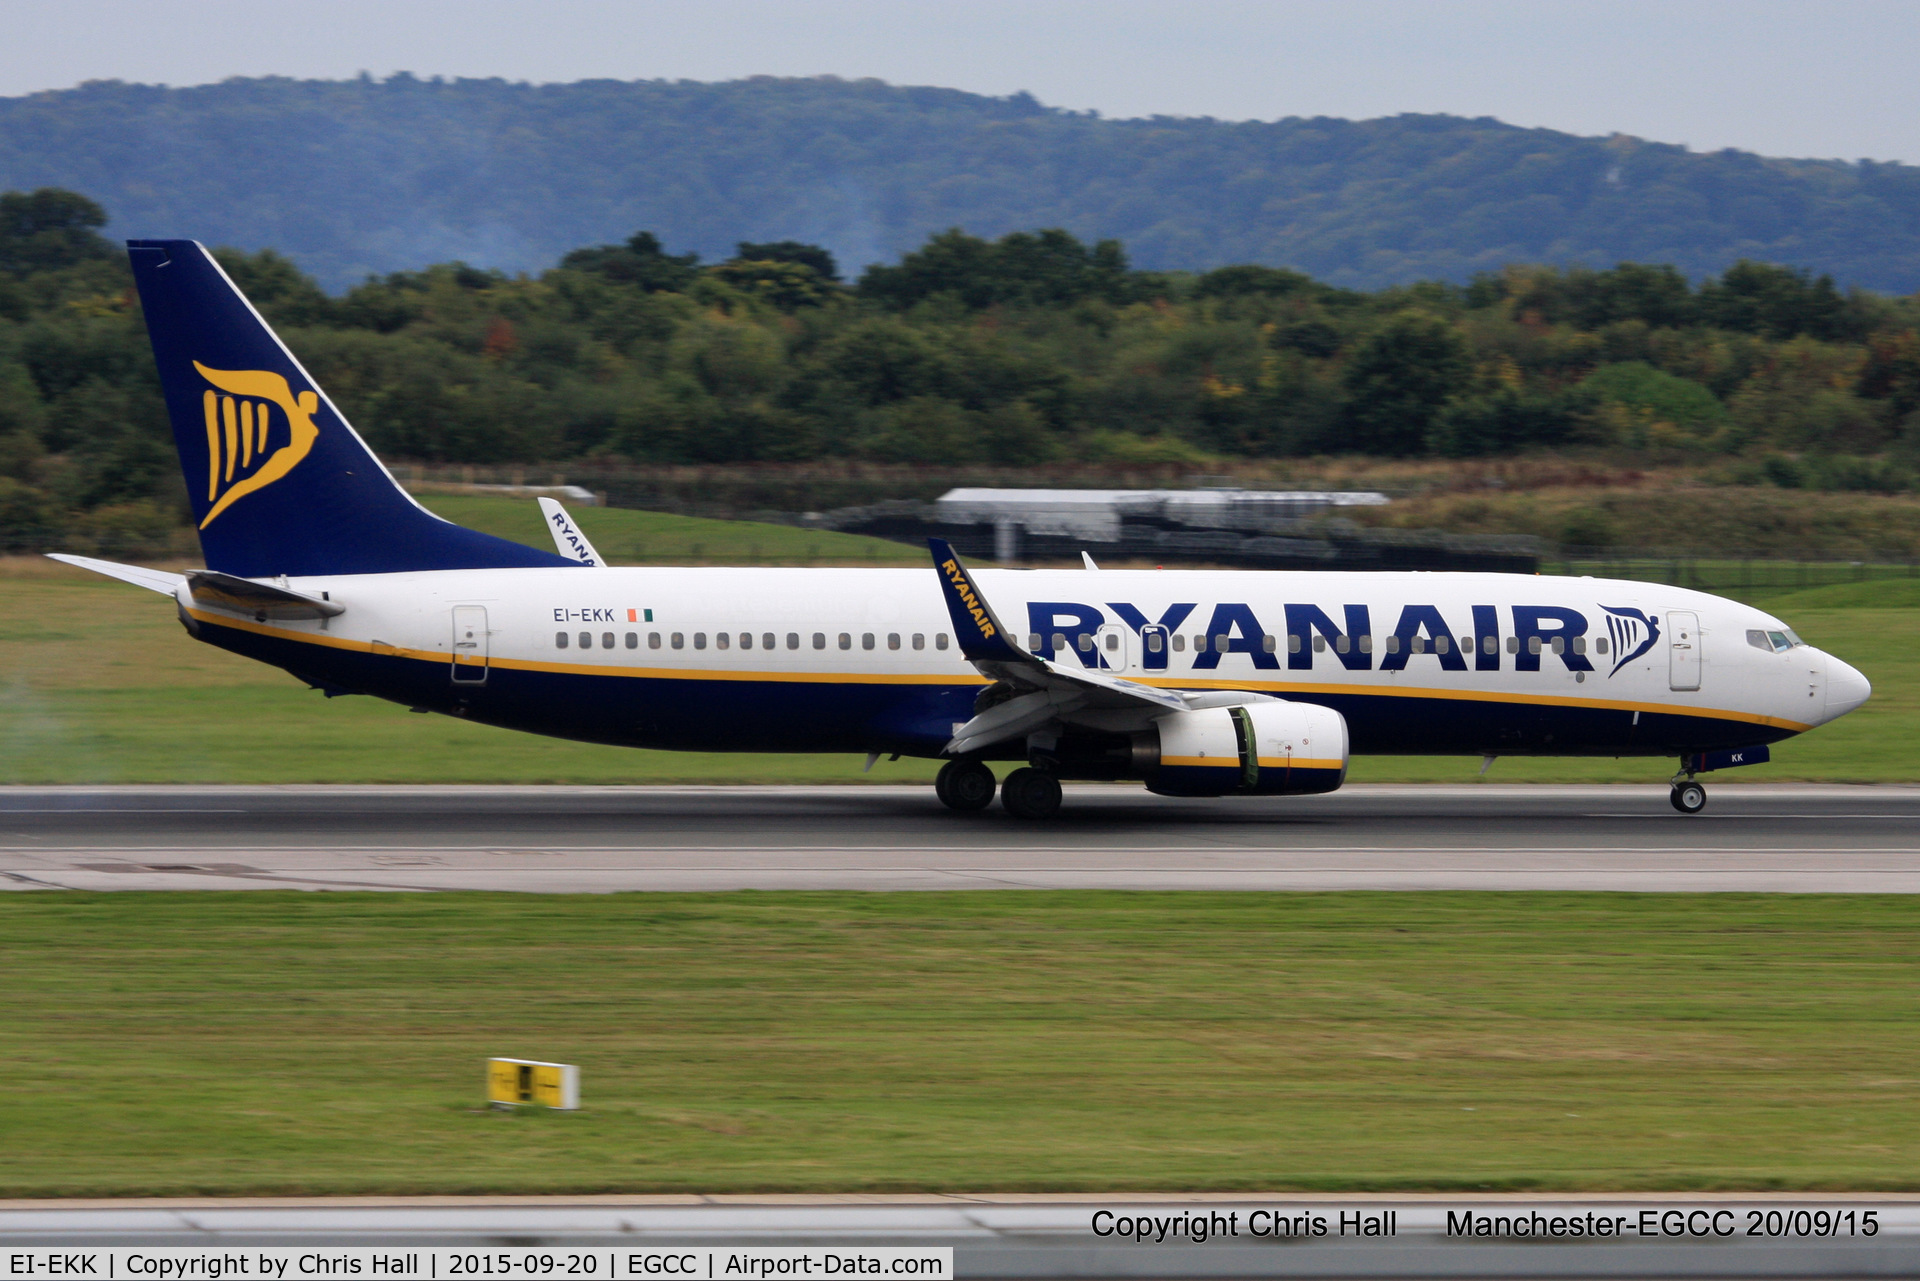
<point>1032,348</point>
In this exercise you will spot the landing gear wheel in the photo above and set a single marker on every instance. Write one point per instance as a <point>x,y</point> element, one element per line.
<point>1688,798</point>
<point>1031,793</point>
<point>964,785</point>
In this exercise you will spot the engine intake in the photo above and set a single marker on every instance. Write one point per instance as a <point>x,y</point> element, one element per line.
<point>1266,749</point>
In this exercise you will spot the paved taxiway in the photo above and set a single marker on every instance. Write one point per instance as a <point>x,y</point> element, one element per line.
<point>553,839</point>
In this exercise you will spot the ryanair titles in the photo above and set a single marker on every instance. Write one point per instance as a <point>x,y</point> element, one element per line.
<point>1481,638</point>
<point>964,590</point>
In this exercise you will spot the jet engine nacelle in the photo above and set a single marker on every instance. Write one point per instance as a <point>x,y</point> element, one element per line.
<point>1267,749</point>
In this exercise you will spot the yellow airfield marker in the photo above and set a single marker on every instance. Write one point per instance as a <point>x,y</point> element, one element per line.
<point>529,1083</point>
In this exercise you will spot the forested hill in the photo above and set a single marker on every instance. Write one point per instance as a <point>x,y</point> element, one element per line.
<point>365,176</point>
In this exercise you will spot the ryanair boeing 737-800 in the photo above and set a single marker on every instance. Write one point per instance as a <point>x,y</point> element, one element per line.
<point>1198,683</point>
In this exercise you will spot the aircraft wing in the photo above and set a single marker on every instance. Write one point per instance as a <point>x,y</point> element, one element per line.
<point>1049,691</point>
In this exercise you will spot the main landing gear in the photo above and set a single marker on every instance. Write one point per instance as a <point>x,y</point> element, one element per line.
<point>964,785</point>
<point>1031,793</point>
<point>968,786</point>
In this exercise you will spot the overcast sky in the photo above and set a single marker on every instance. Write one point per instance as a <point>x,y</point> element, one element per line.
<point>1836,78</point>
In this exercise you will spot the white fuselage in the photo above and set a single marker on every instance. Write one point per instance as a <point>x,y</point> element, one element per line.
<point>1416,661</point>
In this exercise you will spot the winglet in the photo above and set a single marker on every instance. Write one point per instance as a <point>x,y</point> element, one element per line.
<point>982,637</point>
<point>567,537</point>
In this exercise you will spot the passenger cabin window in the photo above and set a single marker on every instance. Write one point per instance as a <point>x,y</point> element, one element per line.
<point>1393,644</point>
<point>1342,644</point>
<point>699,640</point>
<point>1579,644</point>
<point>1319,644</point>
<point>633,640</point>
<point>939,640</point>
<point>720,640</point>
<point>766,641</point>
<point>746,640</point>
<point>1269,643</point>
<point>1179,643</point>
<point>866,640</point>
<point>653,640</point>
<point>846,640</point>
<point>919,640</point>
<point>560,639</point>
<point>1200,644</point>
<point>793,640</point>
<point>819,640</point>
<point>679,640</point>
<point>586,640</point>
<point>1533,644</point>
<point>1600,645</point>
<point>606,640</point>
<point>1491,645</point>
<point>1559,644</point>
<point>1293,642</point>
<point>893,640</point>
<point>1513,645</point>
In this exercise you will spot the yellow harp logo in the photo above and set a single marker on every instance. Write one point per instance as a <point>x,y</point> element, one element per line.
<point>241,427</point>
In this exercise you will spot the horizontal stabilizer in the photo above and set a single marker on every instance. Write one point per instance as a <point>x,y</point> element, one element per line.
<point>262,600</point>
<point>154,580</point>
<point>567,537</point>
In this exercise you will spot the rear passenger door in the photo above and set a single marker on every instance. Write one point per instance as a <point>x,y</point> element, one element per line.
<point>469,644</point>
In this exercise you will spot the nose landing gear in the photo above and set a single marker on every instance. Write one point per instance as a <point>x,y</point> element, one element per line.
<point>1688,796</point>
<point>964,785</point>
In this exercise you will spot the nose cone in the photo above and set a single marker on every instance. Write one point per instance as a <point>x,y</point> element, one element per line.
<point>1846,688</point>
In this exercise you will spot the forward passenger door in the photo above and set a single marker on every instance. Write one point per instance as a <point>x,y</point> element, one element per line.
<point>1683,650</point>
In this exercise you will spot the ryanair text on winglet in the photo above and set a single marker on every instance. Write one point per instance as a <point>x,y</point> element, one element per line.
<point>967,598</point>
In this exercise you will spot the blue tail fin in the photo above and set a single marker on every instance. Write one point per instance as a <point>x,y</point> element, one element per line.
<point>280,483</point>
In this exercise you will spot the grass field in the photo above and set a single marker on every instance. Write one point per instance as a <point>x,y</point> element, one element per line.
<point>319,1043</point>
<point>627,537</point>
<point>99,684</point>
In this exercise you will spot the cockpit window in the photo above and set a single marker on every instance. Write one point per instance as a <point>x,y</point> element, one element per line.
<point>1773,642</point>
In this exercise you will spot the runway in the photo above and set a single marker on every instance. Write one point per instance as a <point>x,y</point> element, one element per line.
<point>1752,838</point>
